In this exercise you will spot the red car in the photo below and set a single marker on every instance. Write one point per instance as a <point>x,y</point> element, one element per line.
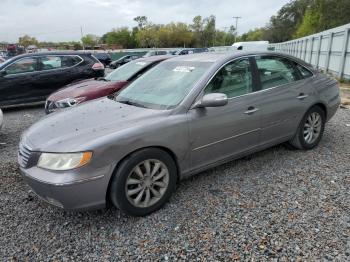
<point>85,90</point>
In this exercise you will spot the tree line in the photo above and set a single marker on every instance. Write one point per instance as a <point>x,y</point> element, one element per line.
<point>296,19</point>
<point>300,18</point>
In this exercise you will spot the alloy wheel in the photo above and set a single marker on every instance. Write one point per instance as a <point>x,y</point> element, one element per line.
<point>312,127</point>
<point>147,183</point>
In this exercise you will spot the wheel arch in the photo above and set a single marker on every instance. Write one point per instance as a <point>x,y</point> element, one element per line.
<point>322,106</point>
<point>165,149</point>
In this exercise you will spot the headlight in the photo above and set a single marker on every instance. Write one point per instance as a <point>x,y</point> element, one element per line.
<point>68,102</point>
<point>60,162</point>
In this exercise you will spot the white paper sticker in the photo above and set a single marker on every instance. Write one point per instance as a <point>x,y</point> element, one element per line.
<point>184,69</point>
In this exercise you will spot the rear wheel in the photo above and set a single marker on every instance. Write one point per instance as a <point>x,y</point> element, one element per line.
<point>144,182</point>
<point>310,130</point>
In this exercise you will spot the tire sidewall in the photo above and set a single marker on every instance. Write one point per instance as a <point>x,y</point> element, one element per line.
<point>117,190</point>
<point>303,143</point>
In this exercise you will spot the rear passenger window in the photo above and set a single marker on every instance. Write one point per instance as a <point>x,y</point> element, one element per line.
<point>305,73</point>
<point>56,62</point>
<point>275,71</point>
<point>234,79</point>
<point>22,66</point>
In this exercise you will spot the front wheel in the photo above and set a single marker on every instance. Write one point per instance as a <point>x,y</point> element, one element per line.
<point>143,182</point>
<point>310,130</point>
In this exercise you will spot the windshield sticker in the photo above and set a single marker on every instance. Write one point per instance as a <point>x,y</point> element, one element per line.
<point>141,63</point>
<point>184,69</point>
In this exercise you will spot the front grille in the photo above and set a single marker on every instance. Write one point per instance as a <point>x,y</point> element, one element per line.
<point>24,155</point>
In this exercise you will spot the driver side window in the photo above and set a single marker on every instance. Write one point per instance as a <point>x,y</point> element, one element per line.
<point>234,79</point>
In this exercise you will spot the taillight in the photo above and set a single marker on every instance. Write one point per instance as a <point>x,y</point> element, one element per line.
<point>98,66</point>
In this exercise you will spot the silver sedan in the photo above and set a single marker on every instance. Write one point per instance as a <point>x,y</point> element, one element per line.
<point>185,115</point>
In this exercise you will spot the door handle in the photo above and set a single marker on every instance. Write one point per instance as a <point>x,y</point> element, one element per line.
<point>302,96</point>
<point>251,110</point>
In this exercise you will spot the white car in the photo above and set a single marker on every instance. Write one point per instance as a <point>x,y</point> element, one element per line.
<point>1,119</point>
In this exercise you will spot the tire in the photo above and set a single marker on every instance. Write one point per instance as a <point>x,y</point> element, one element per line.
<point>302,139</point>
<point>135,189</point>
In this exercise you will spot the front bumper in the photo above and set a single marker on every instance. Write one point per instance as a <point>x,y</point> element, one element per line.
<point>71,190</point>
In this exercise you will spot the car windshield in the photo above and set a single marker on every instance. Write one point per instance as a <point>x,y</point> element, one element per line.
<point>126,71</point>
<point>164,86</point>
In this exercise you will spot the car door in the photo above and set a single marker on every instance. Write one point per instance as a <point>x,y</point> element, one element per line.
<point>218,133</point>
<point>283,98</point>
<point>55,71</point>
<point>17,83</point>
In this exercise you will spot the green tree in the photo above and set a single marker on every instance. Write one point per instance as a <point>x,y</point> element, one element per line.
<point>283,25</point>
<point>322,15</point>
<point>120,36</point>
<point>142,21</point>
<point>90,40</point>
<point>27,40</point>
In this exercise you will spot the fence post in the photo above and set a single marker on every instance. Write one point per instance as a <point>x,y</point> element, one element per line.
<point>318,52</point>
<point>305,48</point>
<point>311,49</point>
<point>344,52</point>
<point>329,50</point>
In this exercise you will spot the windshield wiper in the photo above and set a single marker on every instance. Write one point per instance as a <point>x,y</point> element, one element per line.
<point>128,102</point>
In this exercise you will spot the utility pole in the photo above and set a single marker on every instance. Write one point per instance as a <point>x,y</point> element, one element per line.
<point>236,17</point>
<point>225,29</point>
<point>82,35</point>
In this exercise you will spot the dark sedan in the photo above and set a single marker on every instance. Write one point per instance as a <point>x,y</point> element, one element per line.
<point>90,89</point>
<point>123,60</point>
<point>30,78</point>
<point>104,58</point>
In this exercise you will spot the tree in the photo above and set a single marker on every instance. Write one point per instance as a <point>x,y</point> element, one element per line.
<point>90,40</point>
<point>283,25</point>
<point>142,21</point>
<point>258,34</point>
<point>197,28</point>
<point>119,36</point>
<point>27,40</point>
<point>322,15</point>
<point>147,36</point>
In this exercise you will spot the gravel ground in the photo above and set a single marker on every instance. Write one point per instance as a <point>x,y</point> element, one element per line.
<point>274,205</point>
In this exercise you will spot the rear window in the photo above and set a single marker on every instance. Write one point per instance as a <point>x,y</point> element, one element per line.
<point>56,62</point>
<point>305,73</point>
<point>275,71</point>
<point>126,71</point>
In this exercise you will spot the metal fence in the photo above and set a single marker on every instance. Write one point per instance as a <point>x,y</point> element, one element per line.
<point>328,50</point>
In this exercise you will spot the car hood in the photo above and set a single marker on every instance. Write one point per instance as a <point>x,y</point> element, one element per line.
<point>84,88</point>
<point>73,129</point>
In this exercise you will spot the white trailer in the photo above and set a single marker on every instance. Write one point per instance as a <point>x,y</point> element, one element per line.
<point>251,46</point>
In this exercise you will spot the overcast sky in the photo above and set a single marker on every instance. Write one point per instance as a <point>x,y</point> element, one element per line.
<point>60,20</point>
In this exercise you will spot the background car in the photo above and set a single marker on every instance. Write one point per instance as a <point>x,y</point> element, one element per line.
<point>187,51</point>
<point>77,93</point>
<point>30,78</point>
<point>2,60</point>
<point>123,60</point>
<point>104,58</point>
<point>156,52</point>
<point>187,114</point>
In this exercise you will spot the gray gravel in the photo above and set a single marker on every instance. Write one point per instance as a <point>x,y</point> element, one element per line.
<point>276,204</point>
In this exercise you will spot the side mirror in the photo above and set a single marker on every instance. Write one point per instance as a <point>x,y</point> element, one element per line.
<point>3,73</point>
<point>212,100</point>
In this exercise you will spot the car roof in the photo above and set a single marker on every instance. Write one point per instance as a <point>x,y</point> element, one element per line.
<point>216,57</point>
<point>54,53</point>
<point>155,58</point>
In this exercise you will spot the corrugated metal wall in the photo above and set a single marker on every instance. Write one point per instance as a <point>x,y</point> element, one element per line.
<point>328,50</point>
